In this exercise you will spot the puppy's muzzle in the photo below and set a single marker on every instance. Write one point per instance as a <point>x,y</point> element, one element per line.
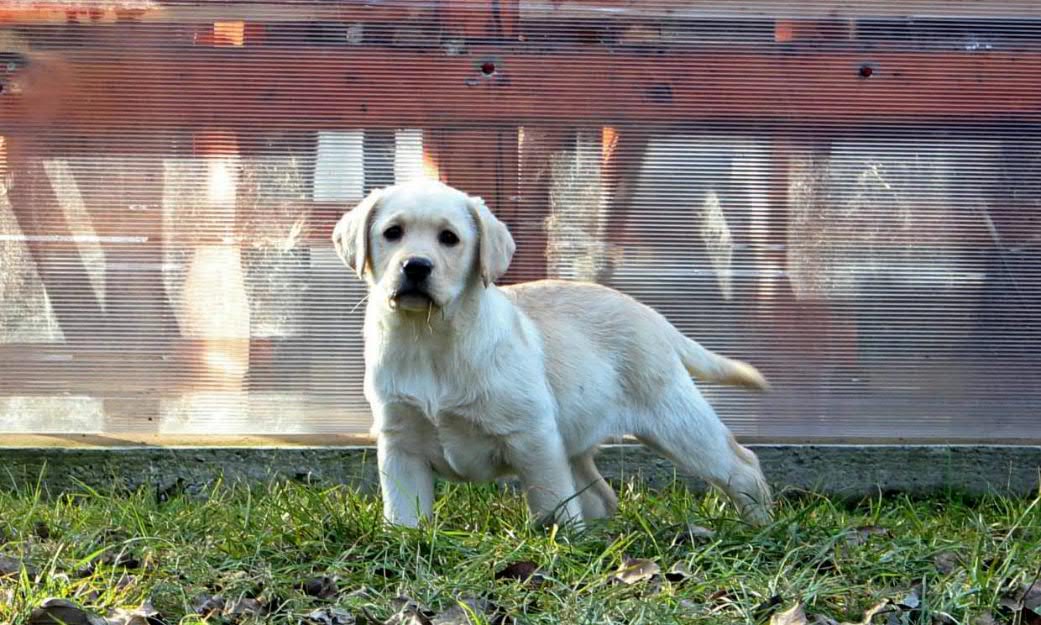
<point>412,293</point>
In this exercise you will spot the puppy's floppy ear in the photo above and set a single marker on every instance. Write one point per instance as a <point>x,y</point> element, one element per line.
<point>495,244</point>
<point>351,234</point>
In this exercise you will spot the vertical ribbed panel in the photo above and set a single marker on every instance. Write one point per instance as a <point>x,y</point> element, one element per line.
<point>846,194</point>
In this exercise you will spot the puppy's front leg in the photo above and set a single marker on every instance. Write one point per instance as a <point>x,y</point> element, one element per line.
<point>406,480</point>
<point>406,477</point>
<point>541,463</point>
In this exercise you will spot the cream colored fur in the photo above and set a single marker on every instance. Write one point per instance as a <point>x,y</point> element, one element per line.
<point>476,381</point>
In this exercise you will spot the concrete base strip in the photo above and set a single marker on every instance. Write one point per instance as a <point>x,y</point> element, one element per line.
<point>843,470</point>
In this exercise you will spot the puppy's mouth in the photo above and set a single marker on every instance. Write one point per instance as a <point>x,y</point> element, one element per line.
<point>411,299</point>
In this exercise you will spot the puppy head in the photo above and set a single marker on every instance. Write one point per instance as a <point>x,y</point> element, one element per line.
<point>422,244</point>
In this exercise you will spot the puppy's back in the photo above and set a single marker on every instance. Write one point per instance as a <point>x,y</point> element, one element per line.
<point>576,318</point>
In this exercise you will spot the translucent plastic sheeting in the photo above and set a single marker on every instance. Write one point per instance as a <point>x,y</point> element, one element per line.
<point>845,194</point>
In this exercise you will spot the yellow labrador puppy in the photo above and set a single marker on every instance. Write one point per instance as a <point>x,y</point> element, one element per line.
<point>472,381</point>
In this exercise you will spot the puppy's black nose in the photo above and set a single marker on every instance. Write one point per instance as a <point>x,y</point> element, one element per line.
<point>417,269</point>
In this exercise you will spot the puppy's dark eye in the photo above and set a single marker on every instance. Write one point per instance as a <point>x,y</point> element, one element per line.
<point>448,238</point>
<point>393,233</point>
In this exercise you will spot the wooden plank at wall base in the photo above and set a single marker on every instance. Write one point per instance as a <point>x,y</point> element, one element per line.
<point>848,471</point>
<point>128,440</point>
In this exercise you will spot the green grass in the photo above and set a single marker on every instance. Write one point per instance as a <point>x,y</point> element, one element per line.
<point>265,541</point>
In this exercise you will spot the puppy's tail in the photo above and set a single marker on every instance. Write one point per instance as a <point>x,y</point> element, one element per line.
<point>706,365</point>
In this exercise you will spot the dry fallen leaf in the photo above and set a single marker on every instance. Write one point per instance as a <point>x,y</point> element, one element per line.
<point>409,612</point>
<point>110,558</point>
<point>406,617</point>
<point>792,616</point>
<point>827,563</point>
<point>125,559</point>
<point>322,587</point>
<point>330,616</point>
<point>769,606</point>
<point>693,534</point>
<point>9,565</point>
<point>680,572</point>
<point>384,572</point>
<point>361,593</point>
<point>1024,603</point>
<point>145,614</point>
<point>522,571</point>
<point>13,566</point>
<point>63,612</point>
<point>863,534</point>
<point>1031,597</point>
<point>701,533</point>
<point>721,596</point>
<point>946,562</point>
<point>208,605</point>
<point>881,608</point>
<point>633,571</point>
<point>232,579</point>
<point>244,608</point>
<point>111,535</point>
<point>912,600</point>
<point>460,613</point>
<point>985,618</point>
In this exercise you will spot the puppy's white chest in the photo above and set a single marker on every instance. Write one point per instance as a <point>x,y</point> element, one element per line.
<point>421,384</point>
<point>420,395</point>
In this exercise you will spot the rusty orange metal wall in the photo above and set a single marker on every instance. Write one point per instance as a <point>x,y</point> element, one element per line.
<point>846,194</point>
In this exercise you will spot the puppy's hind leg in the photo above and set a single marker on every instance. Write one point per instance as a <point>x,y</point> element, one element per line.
<point>594,493</point>
<point>686,430</point>
<point>745,484</point>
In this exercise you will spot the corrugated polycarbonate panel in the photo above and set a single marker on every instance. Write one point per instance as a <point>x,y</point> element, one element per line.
<point>846,194</point>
